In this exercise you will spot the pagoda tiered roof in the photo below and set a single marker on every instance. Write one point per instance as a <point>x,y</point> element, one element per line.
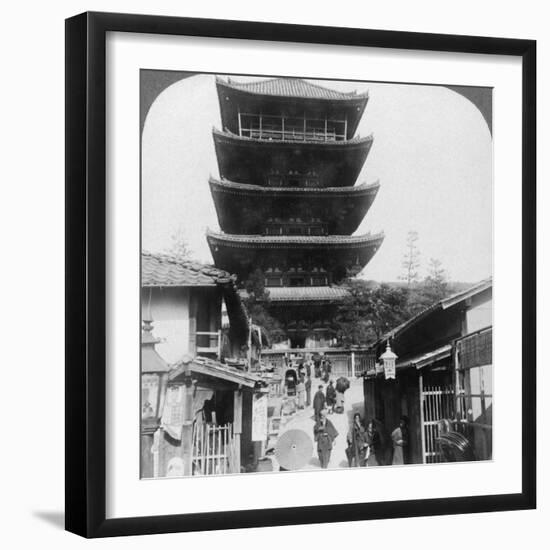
<point>251,160</point>
<point>290,87</point>
<point>293,294</point>
<point>340,255</point>
<point>288,95</point>
<point>293,241</point>
<point>244,208</point>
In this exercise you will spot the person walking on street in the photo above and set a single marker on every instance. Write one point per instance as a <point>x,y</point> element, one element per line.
<point>400,438</point>
<point>339,402</point>
<point>357,442</point>
<point>308,391</point>
<point>301,393</point>
<point>373,445</point>
<point>331,397</point>
<point>318,403</point>
<point>324,434</point>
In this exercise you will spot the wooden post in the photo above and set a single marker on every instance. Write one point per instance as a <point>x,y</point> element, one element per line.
<point>261,126</point>
<point>283,134</point>
<point>237,425</point>
<point>353,364</point>
<point>304,126</point>
<point>192,350</point>
<point>240,124</point>
<point>249,352</point>
<point>326,128</point>
<point>187,429</point>
<point>157,438</point>
<point>346,127</point>
<point>422,434</point>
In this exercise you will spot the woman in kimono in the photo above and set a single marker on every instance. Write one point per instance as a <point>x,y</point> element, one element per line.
<point>301,393</point>
<point>331,397</point>
<point>357,442</point>
<point>308,391</point>
<point>400,439</point>
<point>372,438</point>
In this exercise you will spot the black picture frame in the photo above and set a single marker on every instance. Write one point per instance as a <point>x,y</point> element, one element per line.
<point>86,273</point>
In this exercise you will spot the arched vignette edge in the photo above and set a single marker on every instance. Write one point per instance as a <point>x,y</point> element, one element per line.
<point>152,86</point>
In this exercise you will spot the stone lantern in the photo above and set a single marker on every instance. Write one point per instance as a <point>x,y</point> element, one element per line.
<point>154,377</point>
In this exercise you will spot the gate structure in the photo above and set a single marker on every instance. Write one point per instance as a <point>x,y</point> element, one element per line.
<point>213,450</point>
<point>437,403</point>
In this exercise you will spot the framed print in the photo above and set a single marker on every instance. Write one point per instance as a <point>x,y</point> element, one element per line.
<point>300,274</point>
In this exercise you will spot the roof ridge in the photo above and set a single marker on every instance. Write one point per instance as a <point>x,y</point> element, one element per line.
<point>262,87</point>
<point>252,187</point>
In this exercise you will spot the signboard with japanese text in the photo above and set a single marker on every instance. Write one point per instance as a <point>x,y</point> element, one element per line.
<point>259,417</point>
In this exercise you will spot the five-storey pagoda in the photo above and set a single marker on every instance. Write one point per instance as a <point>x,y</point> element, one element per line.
<point>286,199</point>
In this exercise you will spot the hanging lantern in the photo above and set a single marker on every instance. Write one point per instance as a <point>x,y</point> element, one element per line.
<point>388,361</point>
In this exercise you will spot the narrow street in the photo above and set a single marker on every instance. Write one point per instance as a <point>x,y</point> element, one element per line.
<point>304,420</point>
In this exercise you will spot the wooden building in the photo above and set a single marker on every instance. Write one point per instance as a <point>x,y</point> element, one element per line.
<point>186,300</point>
<point>286,199</point>
<point>196,408</point>
<point>443,376</point>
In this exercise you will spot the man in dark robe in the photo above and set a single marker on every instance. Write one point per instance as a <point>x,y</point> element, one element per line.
<point>318,403</point>
<point>324,434</point>
<point>331,397</point>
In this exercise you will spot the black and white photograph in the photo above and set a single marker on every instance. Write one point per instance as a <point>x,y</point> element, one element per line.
<point>275,275</point>
<point>316,274</point>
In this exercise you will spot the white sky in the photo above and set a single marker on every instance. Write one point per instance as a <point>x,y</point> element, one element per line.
<point>432,153</point>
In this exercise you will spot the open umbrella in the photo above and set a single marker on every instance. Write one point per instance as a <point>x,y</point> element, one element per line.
<point>342,384</point>
<point>294,449</point>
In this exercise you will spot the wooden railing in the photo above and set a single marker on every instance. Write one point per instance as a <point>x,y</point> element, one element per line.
<point>282,128</point>
<point>208,343</point>
<point>214,450</point>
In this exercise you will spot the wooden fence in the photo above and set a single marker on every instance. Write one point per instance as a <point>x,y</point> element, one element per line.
<point>214,450</point>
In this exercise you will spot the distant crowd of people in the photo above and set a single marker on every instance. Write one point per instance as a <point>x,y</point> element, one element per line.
<point>368,443</point>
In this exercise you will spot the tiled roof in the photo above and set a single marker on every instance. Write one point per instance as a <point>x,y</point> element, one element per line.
<point>457,298</point>
<point>292,240</point>
<point>215,369</point>
<point>151,361</point>
<point>343,143</point>
<point>245,188</point>
<point>306,293</point>
<point>291,87</point>
<point>425,359</point>
<point>168,270</point>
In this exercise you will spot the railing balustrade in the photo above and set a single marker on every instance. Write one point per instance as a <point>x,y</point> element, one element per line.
<point>282,128</point>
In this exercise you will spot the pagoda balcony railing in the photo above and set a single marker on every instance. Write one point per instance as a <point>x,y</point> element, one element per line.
<point>282,128</point>
<point>300,229</point>
<point>297,279</point>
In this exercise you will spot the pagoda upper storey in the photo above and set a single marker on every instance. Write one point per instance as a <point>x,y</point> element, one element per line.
<point>279,163</point>
<point>289,109</point>
<point>251,209</point>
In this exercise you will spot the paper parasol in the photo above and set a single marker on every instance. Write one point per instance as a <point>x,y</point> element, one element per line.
<point>294,449</point>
